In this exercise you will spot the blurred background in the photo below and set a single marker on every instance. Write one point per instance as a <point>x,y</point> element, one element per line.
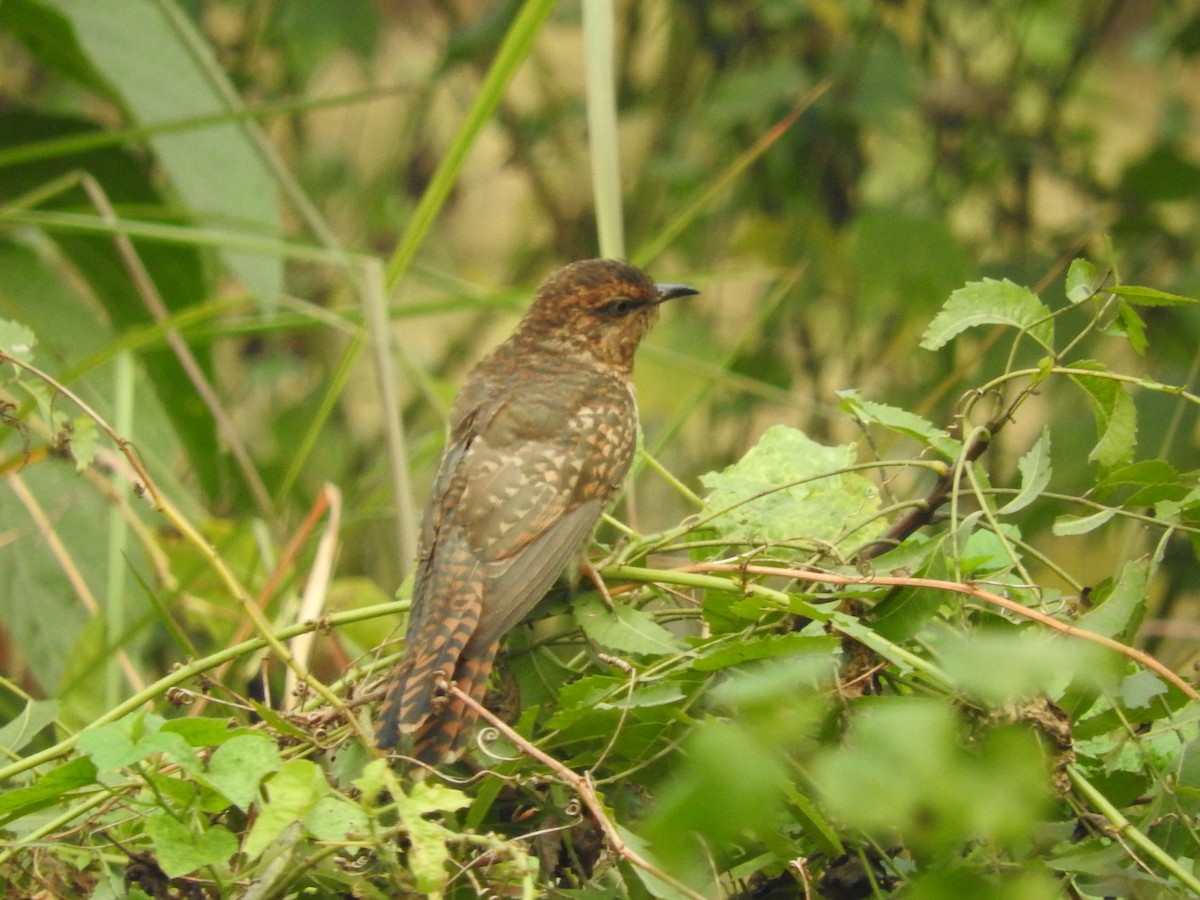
<point>936,142</point>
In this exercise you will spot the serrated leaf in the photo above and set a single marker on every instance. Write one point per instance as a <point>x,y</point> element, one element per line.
<point>623,628</point>
<point>901,421</point>
<point>179,850</point>
<point>1115,413</point>
<point>1081,280</point>
<point>1144,296</point>
<point>1035,474</point>
<point>1152,480</point>
<point>991,302</point>
<point>1065,526</point>
<point>16,340</point>
<point>788,488</point>
<point>582,695</point>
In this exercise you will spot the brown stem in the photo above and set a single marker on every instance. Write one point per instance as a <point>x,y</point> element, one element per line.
<point>582,786</point>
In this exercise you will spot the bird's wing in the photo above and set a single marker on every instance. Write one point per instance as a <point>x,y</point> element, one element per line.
<point>537,477</point>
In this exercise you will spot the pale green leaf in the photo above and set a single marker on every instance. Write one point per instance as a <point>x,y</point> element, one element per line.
<point>1081,280</point>
<point>1120,613</point>
<point>336,819</point>
<point>16,340</point>
<point>1115,414</point>
<point>180,850</point>
<point>85,438</point>
<point>767,647</point>
<point>25,725</point>
<point>900,421</point>
<point>788,489</point>
<point>160,66</point>
<point>1144,296</point>
<point>238,766</point>
<point>293,792</point>
<point>50,789</point>
<point>1035,474</point>
<point>1065,526</point>
<point>991,302</point>
<point>623,628</point>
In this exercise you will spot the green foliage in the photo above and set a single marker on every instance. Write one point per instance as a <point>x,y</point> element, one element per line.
<point>916,635</point>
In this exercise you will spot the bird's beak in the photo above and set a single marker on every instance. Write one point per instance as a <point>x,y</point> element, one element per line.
<point>671,291</point>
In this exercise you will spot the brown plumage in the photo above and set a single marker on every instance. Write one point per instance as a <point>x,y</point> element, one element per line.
<point>541,436</point>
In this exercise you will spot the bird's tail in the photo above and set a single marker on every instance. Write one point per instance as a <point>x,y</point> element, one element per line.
<point>442,736</point>
<point>443,733</point>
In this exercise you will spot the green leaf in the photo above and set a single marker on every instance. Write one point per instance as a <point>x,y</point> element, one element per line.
<point>294,792</point>
<point>901,421</point>
<point>131,740</point>
<point>623,628</point>
<point>179,850</point>
<point>16,340</point>
<point>336,819</point>
<point>54,787</point>
<point>85,438</point>
<point>725,768</point>
<point>429,850</point>
<point>902,614</point>
<point>1140,688</point>
<point>1081,280</point>
<point>204,731</point>
<point>66,321</point>
<point>1118,612</point>
<point>1004,666</point>
<point>787,488</point>
<point>1035,474</point>
<point>724,655</point>
<point>25,725</point>
<point>428,798</point>
<point>162,70</point>
<point>903,770</point>
<point>991,302</point>
<point>238,767</point>
<point>1144,296</point>
<point>1065,526</point>
<point>1115,414</point>
<point>1130,324</point>
<point>50,38</point>
<point>1152,480</point>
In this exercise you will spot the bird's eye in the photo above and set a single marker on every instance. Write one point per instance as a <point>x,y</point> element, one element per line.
<point>618,307</point>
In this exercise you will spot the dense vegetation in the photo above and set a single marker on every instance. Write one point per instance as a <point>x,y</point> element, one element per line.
<point>906,574</point>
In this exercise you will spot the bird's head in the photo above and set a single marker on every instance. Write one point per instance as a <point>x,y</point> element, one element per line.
<point>600,308</point>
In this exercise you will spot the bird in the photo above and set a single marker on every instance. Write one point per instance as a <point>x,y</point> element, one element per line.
<point>542,435</point>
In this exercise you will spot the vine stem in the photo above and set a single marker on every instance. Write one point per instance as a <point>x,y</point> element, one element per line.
<point>583,788</point>
<point>680,576</point>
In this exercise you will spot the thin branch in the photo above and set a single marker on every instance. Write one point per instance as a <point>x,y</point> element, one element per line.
<point>582,786</point>
<point>955,587</point>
